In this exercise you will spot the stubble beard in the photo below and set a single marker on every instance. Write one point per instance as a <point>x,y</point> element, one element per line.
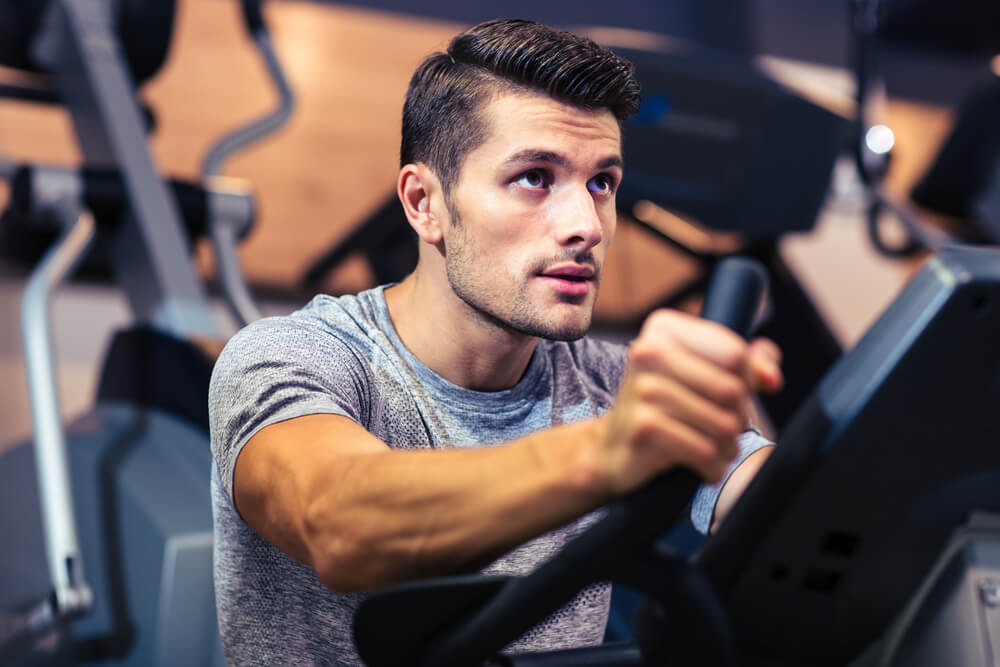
<point>465,269</point>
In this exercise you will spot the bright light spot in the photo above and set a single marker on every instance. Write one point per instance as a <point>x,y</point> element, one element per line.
<point>995,64</point>
<point>879,139</point>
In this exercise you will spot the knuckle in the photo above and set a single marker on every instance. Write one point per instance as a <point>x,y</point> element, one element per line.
<point>735,356</point>
<point>663,317</point>
<point>730,390</point>
<point>662,323</point>
<point>644,387</point>
<point>647,424</point>
<point>641,351</point>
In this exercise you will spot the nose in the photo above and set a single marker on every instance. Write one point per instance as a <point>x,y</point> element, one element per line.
<point>578,223</point>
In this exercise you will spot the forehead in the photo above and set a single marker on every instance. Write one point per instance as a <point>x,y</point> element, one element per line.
<point>519,121</point>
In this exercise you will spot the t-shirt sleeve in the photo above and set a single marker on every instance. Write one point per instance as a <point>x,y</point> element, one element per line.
<point>274,370</point>
<point>703,506</point>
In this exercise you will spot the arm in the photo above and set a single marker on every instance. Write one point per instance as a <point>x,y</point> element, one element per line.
<point>363,515</point>
<point>762,354</point>
<point>737,484</point>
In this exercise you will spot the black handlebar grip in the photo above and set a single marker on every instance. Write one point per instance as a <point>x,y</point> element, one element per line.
<point>252,16</point>
<point>734,294</point>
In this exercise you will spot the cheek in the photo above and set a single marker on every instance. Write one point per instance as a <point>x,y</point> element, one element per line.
<point>610,224</point>
<point>508,225</point>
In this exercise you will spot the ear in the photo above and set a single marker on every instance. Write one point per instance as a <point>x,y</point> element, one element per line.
<point>417,188</point>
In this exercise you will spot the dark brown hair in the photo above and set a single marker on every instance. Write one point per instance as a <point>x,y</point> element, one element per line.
<point>442,118</point>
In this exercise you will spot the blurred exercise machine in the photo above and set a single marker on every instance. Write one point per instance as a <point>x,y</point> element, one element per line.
<point>871,537</point>
<point>107,521</point>
<point>964,180</point>
<point>746,156</point>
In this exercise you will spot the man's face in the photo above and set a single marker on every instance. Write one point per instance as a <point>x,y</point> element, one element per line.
<point>532,214</point>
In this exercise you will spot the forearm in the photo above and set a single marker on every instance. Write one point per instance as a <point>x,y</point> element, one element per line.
<point>737,484</point>
<point>367,519</point>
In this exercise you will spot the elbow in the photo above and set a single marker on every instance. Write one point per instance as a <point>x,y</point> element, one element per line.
<point>340,559</point>
<point>331,553</point>
<point>334,573</point>
<point>351,570</point>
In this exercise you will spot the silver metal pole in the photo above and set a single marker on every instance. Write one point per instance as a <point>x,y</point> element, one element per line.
<point>224,237</point>
<point>51,460</point>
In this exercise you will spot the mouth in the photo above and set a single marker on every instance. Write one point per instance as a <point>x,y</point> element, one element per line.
<point>570,280</point>
<point>571,272</point>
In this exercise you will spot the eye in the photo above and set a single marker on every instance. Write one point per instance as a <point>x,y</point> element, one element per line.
<point>601,184</point>
<point>533,179</point>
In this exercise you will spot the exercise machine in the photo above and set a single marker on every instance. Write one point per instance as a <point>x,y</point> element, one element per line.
<point>868,538</point>
<point>117,501</point>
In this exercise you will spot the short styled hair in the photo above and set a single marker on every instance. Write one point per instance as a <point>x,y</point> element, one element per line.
<point>442,115</point>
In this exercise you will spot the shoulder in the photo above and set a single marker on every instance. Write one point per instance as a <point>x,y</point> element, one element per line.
<point>327,341</point>
<point>343,316</point>
<point>325,321</point>
<point>312,361</point>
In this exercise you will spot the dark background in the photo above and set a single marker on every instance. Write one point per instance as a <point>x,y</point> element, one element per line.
<point>816,31</point>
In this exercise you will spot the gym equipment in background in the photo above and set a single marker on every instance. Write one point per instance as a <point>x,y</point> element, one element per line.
<point>120,504</point>
<point>965,179</point>
<point>889,457</point>
<point>722,144</point>
<point>876,478</point>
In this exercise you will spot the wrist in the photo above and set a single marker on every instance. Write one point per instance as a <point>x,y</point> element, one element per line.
<point>589,468</point>
<point>570,457</point>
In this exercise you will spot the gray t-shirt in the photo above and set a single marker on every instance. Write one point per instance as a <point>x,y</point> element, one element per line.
<point>342,356</point>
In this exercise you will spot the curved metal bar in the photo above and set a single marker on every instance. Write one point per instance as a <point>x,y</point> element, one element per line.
<point>227,263</point>
<point>58,517</point>
<point>234,287</point>
<point>260,128</point>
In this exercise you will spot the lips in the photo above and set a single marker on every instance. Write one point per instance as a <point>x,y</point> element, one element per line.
<point>571,272</point>
<point>569,280</point>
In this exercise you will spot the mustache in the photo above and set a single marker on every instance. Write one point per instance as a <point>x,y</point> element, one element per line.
<point>585,258</point>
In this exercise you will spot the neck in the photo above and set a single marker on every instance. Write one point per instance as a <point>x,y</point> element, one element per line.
<point>454,340</point>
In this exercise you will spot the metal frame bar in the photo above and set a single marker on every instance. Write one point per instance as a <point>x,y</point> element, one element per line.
<point>51,460</point>
<point>151,255</point>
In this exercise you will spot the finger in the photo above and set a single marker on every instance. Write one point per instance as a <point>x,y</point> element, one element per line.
<point>767,348</point>
<point>678,402</point>
<point>674,443</point>
<point>669,359</point>
<point>765,366</point>
<point>709,340</point>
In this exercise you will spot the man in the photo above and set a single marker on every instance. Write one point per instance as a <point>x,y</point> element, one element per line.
<point>351,436</point>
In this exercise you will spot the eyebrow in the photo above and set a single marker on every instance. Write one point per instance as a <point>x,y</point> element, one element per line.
<point>558,159</point>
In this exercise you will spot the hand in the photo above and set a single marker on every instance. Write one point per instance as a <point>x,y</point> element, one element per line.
<point>685,399</point>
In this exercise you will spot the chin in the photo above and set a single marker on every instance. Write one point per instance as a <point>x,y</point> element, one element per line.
<point>568,335</point>
<point>567,331</point>
<point>570,324</point>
